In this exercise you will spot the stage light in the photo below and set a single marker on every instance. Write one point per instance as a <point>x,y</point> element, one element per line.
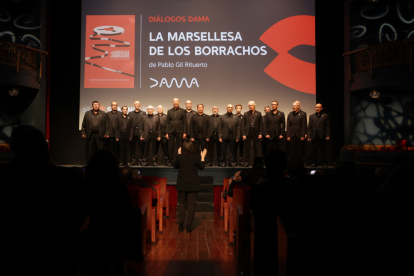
<point>14,91</point>
<point>374,1</point>
<point>374,94</point>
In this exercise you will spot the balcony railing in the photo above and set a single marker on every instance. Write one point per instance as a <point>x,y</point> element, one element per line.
<point>21,57</point>
<point>381,56</point>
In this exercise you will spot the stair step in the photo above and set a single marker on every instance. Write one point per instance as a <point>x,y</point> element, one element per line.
<point>204,207</point>
<point>205,197</point>
<point>206,188</point>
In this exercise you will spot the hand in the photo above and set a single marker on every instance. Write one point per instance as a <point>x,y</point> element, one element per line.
<point>244,137</point>
<point>130,140</point>
<point>184,135</point>
<point>207,140</point>
<point>260,136</point>
<point>267,136</point>
<point>237,141</point>
<point>220,140</point>
<point>83,135</point>
<point>203,153</point>
<point>280,137</point>
<point>117,139</point>
<point>306,136</point>
<point>309,139</point>
<point>142,138</point>
<point>327,138</point>
<point>159,139</point>
<point>166,136</point>
<point>192,139</point>
<point>179,150</point>
<point>288,139</point>
<point>302,138</point>
<point>106,136</point>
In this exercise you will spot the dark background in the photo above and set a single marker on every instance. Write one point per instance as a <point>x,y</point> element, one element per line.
<point>66,143</point>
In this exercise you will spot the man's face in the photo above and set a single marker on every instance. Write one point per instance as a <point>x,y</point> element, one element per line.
<point>176,103</point>
<point>150,111</point>
<point>295,107</point>
<point>137,105</point>
<point>267,109</point>
<point>238,109</point>
<point>274,105</point>
<point>200,109</point>
<point>125,110</point>
<point>251,106</point>
<point>318,108</point>
<point>114,106</point>
<point>188,105</point>
<point>160,109</point>
<point>95,106</point>
<point>215,110</point>
<point>229,108</point>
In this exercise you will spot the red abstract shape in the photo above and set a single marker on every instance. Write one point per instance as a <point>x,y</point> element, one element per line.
<point>109,29</point>
<point>285,68</point>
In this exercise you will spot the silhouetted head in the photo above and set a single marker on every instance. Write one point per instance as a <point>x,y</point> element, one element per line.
<point>346,169</point>
<point>188,147</point>
<point>102,168</point>
<point>29,144</point>
<point>126,174</point>
<point>276,162</point>
<point>399,159</point>
<point>295,166</point>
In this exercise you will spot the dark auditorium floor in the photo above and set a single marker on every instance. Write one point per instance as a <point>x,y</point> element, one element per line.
<point>205,251</point>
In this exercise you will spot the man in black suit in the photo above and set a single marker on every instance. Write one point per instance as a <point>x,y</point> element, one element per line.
<point>296,129</point>
<point>240,143</point>
<point>274,127</point>
<point>264,141</point>
<point>214,141</point>
<point>114,117</point>
<point>163,142</point>
<point>126,134</point>
<point>95,128</point>
<point>189,113</point>
<point>229,134</point>
<point>319,131</point>
<point>150,135</point>
<point>136,143</point>
<point>176,128</point>
<point>252,126</point>
<point>200,129</point>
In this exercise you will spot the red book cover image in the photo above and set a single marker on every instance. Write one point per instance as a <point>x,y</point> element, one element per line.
<point>109,51</point>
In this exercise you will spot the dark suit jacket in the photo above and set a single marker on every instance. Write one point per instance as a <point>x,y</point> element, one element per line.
<point>176,125</point>
<point>223,128</point>
<point>207,127</point>
<point>145,127</point>
<point>113,129</point>
<point>137,119</point>
<point>271,128</point>
<point>87,124</point>
<point>129,127</point>
<point>324,127</point>
<point>163,124</point>
<point>188,165</point>
<point>296,125</point>
<point>258,123</point>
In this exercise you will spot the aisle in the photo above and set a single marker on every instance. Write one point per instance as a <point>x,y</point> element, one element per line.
<point>206,251</point>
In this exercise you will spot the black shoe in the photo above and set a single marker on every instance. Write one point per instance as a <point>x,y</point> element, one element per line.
<point>180,227</point>
<point>232,164</point>
<point>222,164</point>
<point>144,164</point>
<point>188,228</point>
<point>208,164</point>
<point>246,164</point>
<point>154,164</point>
<point>133,163</point>
<point>128,164</point>
<point>121,164</point>
<point>313,165</point>
<point>325,166</point>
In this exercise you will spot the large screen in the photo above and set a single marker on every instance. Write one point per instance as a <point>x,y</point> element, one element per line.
<point>210,52</point>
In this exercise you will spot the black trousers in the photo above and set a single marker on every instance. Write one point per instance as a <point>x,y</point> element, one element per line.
<point>228,143</point>
<point>94,143</point>
<point>112,145</point>
<point>187,202</point>
<point>252,137</point>
<point>321,143</point>
<point>124,148</point>
<point>296,146</point>
<point>164,144</point>
<point>210,151</point>
<point>173,152</point>
<point>240,145</point>
<point>137,145</point>
<point>199,141</point>
<point>151,142</point>
<point>274,144</point>
<point>264,146</point>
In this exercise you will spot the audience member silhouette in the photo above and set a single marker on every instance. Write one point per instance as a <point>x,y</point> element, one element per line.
<point>346,169</point>
<point>295,167</point>
<point>131,177</point>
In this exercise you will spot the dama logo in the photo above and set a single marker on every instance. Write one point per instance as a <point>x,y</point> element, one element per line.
<point>285,68</point>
